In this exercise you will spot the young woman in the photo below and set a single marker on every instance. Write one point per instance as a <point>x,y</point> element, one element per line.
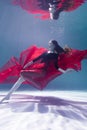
<point>48,60</point>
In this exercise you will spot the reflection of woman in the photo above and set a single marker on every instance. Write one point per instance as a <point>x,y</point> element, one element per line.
<point>47,59</point>
<point>52,7</point>
<point>49,8</point>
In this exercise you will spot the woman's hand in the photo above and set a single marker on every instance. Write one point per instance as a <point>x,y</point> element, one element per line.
<point>69,70</point>
<point>65,71</point>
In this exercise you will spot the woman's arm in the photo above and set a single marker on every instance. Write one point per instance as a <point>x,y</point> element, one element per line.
<point>36,59</point>
<point>61,50</point>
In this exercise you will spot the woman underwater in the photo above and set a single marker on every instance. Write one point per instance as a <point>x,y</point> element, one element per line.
<point>36,69</point>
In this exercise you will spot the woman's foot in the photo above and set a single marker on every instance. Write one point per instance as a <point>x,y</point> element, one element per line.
<point>5,98</point>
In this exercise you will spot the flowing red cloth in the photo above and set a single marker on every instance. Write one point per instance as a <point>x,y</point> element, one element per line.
<point>32,6</point>
<point>10,72</point>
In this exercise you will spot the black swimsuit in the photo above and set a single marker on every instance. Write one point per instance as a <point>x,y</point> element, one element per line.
<point>47,58</point>
<point>50,57</point>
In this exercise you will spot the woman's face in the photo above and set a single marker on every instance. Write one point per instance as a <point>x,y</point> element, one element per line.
<point>51,46</point>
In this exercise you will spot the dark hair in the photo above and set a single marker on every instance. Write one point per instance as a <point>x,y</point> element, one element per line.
<point>57,48</point>
<point>56,15</point>
<point>54,42</point>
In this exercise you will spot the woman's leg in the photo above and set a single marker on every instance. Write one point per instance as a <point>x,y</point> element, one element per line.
<point>14,88</point>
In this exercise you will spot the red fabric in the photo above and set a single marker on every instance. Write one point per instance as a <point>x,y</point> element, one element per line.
<point>10,72</point>
<point>32,6</point>
<point>70,5</point>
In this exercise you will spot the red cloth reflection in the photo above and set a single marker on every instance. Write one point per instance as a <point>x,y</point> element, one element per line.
<point>33,6</point>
